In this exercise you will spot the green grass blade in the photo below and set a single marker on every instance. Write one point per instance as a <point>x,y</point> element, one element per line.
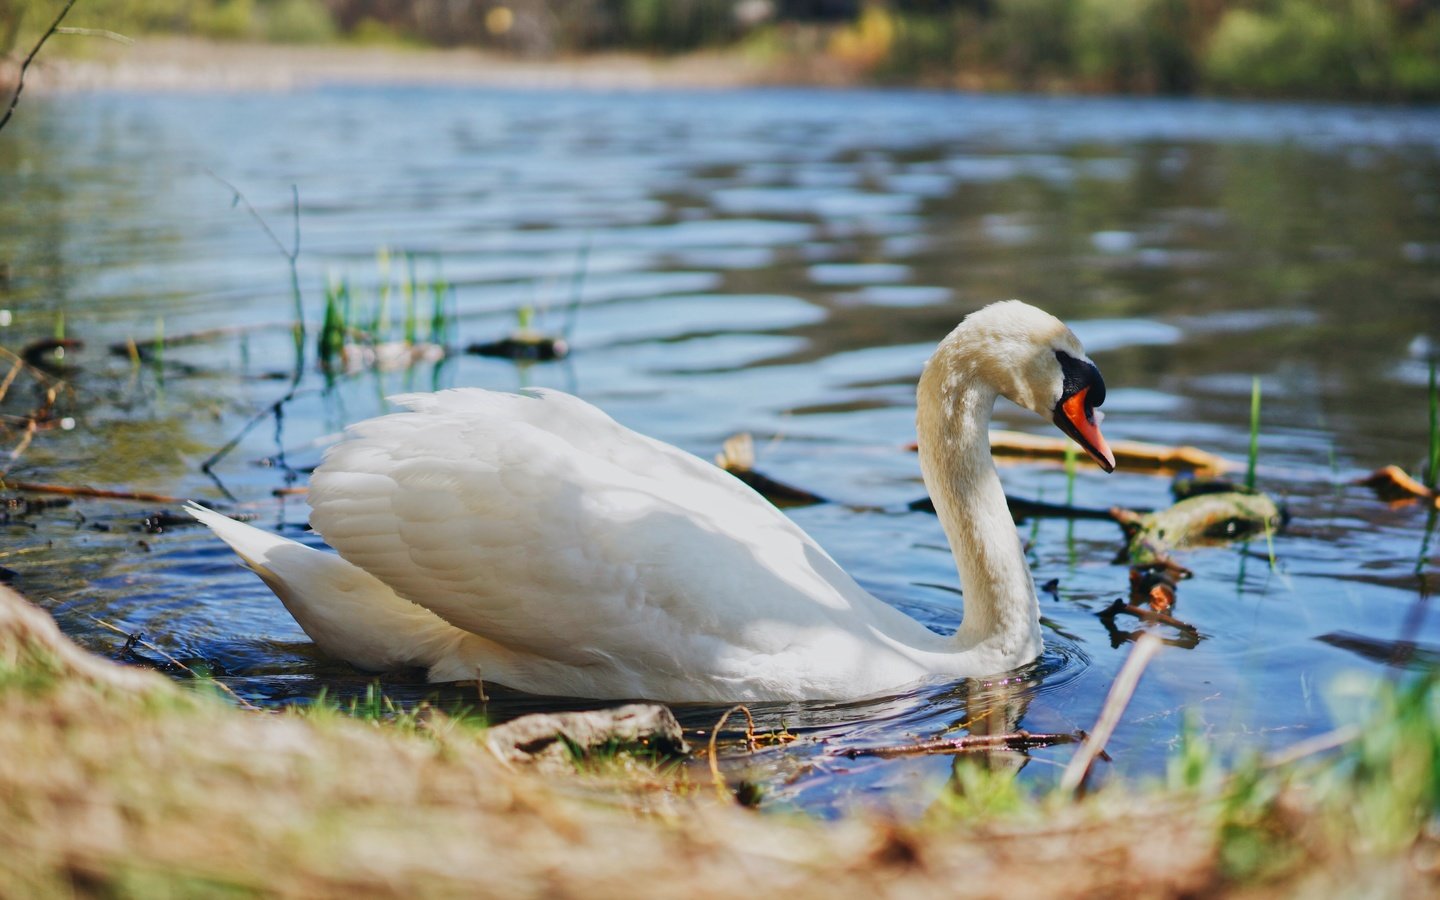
<point>1254,433</point>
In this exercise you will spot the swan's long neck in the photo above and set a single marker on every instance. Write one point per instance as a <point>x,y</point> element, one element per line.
<point>1002,614</point>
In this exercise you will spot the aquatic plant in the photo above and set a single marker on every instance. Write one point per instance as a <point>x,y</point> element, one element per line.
<point>343,329</point>
<point>1254,452</point>
<point>1432,468</point>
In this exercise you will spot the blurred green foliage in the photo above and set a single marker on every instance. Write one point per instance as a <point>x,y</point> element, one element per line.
<point>1364,49</point>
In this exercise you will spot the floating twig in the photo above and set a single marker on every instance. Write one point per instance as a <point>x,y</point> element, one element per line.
<point>720,785</point>
<point>1115,702</point>
<point>1393,485</point>
<point>1311,746</point>
<point>1017,740</point>
<point>737,456</point>
<point>25,440</point>
<point>45,354</point>
<point>10,377</point>
<point>81,490</point>
<point>1148,615</point>
<point>143,348</point>
<point>1128,454</point>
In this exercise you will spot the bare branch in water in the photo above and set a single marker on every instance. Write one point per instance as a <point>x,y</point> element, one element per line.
<point>1018,740</point>
<point>715,735</point>
<point>81,490</point>
<point>25,64</point>
<point>1115,702</point>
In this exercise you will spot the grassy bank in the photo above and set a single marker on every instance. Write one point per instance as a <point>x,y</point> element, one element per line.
<point>1354,49</point>
<point>117,782</point>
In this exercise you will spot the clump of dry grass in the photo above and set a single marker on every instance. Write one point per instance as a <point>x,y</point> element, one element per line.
<point>117,782</point>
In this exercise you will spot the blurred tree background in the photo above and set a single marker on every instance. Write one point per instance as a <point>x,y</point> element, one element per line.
<point>1364,49</point>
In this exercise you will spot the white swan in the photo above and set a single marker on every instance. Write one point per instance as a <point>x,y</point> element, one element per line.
<point>530,540</point>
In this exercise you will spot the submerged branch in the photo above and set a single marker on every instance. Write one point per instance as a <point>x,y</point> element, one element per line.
<point>1115,702</point>
<point>719,779</point>
<point>1018,740</point>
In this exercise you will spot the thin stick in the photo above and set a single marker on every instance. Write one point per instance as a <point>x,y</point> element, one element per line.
<point>132,639</point>
<point>24,441</point>
<point>24,66</point>
<point>1019,740</point>
<point>1115,702</point>
<point>105,33</point>
<point>129,346</point>
<point>1147,615</point>
<point>1311,746</point>
<point>10,377</point>
<point>81,490</point>
<point>715,734</point>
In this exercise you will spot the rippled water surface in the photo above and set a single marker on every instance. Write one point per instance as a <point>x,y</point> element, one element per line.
<point>775,262</point>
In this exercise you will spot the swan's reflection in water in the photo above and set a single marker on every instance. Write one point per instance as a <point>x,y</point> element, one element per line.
<point>833,765</point>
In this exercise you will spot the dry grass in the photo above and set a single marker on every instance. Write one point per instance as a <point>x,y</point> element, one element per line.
<point>116,782</point>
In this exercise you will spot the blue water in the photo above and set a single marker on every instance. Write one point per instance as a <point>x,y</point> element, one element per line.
<point>778,262</point>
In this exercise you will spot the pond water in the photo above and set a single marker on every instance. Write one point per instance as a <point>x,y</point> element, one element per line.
<point>778,262</point>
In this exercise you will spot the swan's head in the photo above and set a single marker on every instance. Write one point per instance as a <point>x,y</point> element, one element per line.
<point>1031,358</point>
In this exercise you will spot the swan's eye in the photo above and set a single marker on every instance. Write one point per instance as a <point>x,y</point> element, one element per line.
<point>1080,374</point>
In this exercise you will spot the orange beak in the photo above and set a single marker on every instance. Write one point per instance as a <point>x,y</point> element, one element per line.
<point>1076,417</point>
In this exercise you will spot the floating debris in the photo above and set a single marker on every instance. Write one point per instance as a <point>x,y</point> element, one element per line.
<point>737,456</point>
<point>523,345</point>
<point>49,353</point>
<point>1392,485</point>
<point>1191,484</point>
<point>558,738</point>
<point>1128,454</point>
<point>1022,509</point>
<point>1018,740</point>
<point>81,490</point>
<point>1205,519</point>
<point>1154,586</point>
<point>1402,654</point>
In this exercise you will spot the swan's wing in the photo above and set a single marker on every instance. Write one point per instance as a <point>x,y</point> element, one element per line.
<point>540,523</point>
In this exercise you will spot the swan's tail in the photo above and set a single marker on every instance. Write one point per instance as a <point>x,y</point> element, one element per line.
<point>348,613</point>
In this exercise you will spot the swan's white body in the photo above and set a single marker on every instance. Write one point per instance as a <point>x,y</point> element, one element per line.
<point>530,540</point>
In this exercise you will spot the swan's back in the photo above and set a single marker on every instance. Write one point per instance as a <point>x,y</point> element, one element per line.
<point>538,522</point>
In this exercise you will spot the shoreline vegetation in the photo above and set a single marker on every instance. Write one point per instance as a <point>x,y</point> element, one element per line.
<point>1368,50</point>
<point>116,781</point>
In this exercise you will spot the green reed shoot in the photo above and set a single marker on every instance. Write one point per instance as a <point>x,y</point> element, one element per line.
<point>380,326</point>
<point>60,325</point>
<point>157,358</point>
<point>408,290</point>
<point>1071,456</point>
<point>439,326</point>
<point>332,329</point>
<point>1432,471</point>
<point>1254,434</point>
